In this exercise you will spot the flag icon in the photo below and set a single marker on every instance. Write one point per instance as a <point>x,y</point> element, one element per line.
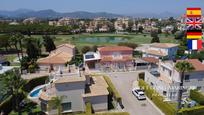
<point>194,44</point>
<point>193,12</point>
<point>194,23</point>
<point>194,35</point>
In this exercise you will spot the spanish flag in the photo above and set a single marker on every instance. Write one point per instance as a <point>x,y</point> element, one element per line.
<point>194,35</point>
<point>193,12</point>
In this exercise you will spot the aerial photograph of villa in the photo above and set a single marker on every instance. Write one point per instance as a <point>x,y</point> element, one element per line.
<point>101,57</point>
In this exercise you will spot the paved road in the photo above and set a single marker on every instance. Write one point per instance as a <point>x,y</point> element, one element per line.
<point>123,83</point>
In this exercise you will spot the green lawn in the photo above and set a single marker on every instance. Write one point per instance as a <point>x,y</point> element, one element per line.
<point>134,38</point>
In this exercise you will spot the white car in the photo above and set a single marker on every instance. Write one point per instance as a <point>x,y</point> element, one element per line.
<point>139,93</point>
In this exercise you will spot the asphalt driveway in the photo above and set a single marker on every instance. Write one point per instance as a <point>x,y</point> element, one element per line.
<point>123,83</point>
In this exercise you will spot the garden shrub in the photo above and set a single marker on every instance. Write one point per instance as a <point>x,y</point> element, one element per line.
<point>197,96</point>
<point>157,99</point>
<point>112,90</point>
<point>88,109</point>
<point>197,110</point>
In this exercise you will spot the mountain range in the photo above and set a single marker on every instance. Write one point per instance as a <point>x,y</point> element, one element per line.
<point>45,14</point>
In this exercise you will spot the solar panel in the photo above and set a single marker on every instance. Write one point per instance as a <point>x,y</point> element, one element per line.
<point>89,56</point>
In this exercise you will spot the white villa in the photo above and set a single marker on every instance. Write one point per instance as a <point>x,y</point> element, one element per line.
<point>75,89</point>
<point>121,24</point>
<point>57,58</point>
<point>159,50</point>
<point>31,20</point>
<point>166,79</point>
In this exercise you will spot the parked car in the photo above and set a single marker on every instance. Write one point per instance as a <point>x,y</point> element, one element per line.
<point>138,93</point>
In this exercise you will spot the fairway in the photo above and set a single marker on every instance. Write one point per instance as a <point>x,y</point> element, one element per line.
<point>107,39</point>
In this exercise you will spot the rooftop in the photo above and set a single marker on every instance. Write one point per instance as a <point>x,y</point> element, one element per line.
<point>115,48</point>
<point>69,79</point>
<point>99,87</point>
<point>150,59</point>
<point>56,58</point>
<point>164,45</point>
<point>156,52</point>
<point>198,66</point>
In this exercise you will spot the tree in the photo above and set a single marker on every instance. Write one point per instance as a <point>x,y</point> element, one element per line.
<point>94,48</point>
<point>179,35</point>
<point>155,37</point>
<point>140,29</point>
<point>14,41</point>
<point>12,81</point>
<point>4,41</point>
<point>48,43</point>
<point>182,67</point>
<point>20,37</point>
<point>32,49</point>
<point>55,102</point>
<point>128,44</point>
<point>85,49</point>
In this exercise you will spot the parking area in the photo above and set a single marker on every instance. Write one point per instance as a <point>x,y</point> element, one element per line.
<point>124,84</point>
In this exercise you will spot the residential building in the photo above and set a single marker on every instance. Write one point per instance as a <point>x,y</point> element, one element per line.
<point>114,58</point>
<point>121,24</point>
<point>52,23</point>
<point>14,23</point>
<point>76,91</point>
<point>65,21</point>
<point>159,50</point>
<point>166,79</point>
<point>31,20</point>
<point>57,58</point>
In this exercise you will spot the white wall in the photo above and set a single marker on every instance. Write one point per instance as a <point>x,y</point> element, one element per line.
<point>73,93</point>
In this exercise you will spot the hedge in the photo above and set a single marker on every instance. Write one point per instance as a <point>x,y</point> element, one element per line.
<point>157,99</point>
<point>88,108</point>
<point>197,110</point>
<point>197,96</point>
<point>112,89</point>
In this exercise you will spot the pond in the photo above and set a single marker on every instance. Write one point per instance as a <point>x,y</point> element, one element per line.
<point>102,39</point>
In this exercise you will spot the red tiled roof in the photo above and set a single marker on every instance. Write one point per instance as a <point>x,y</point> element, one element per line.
<point>150,59</point>
<point>59,58</point>
<point>115,48</point>
<point>198,66</point>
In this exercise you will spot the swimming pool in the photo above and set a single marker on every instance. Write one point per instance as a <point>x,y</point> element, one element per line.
<point>36,92</point>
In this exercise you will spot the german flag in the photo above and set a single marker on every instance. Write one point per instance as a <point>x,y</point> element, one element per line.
<point>193,12</point>
<point>194,34</point>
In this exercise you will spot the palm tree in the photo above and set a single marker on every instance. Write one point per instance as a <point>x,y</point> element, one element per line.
<point>55,102</point>
<point>13,82</point>
<point>20,37</point>
<point>16,39</point>
<point>182,67</point>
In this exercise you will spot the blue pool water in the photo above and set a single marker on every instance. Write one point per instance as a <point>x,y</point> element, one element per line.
<point>36,92</point>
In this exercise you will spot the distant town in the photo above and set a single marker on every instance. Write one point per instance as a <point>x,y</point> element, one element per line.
<point>99,66</point>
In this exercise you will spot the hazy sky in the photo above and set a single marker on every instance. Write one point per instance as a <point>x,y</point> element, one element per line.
<point>112,6</point>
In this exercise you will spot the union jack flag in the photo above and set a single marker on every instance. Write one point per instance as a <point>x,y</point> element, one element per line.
<point>193,23</point>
